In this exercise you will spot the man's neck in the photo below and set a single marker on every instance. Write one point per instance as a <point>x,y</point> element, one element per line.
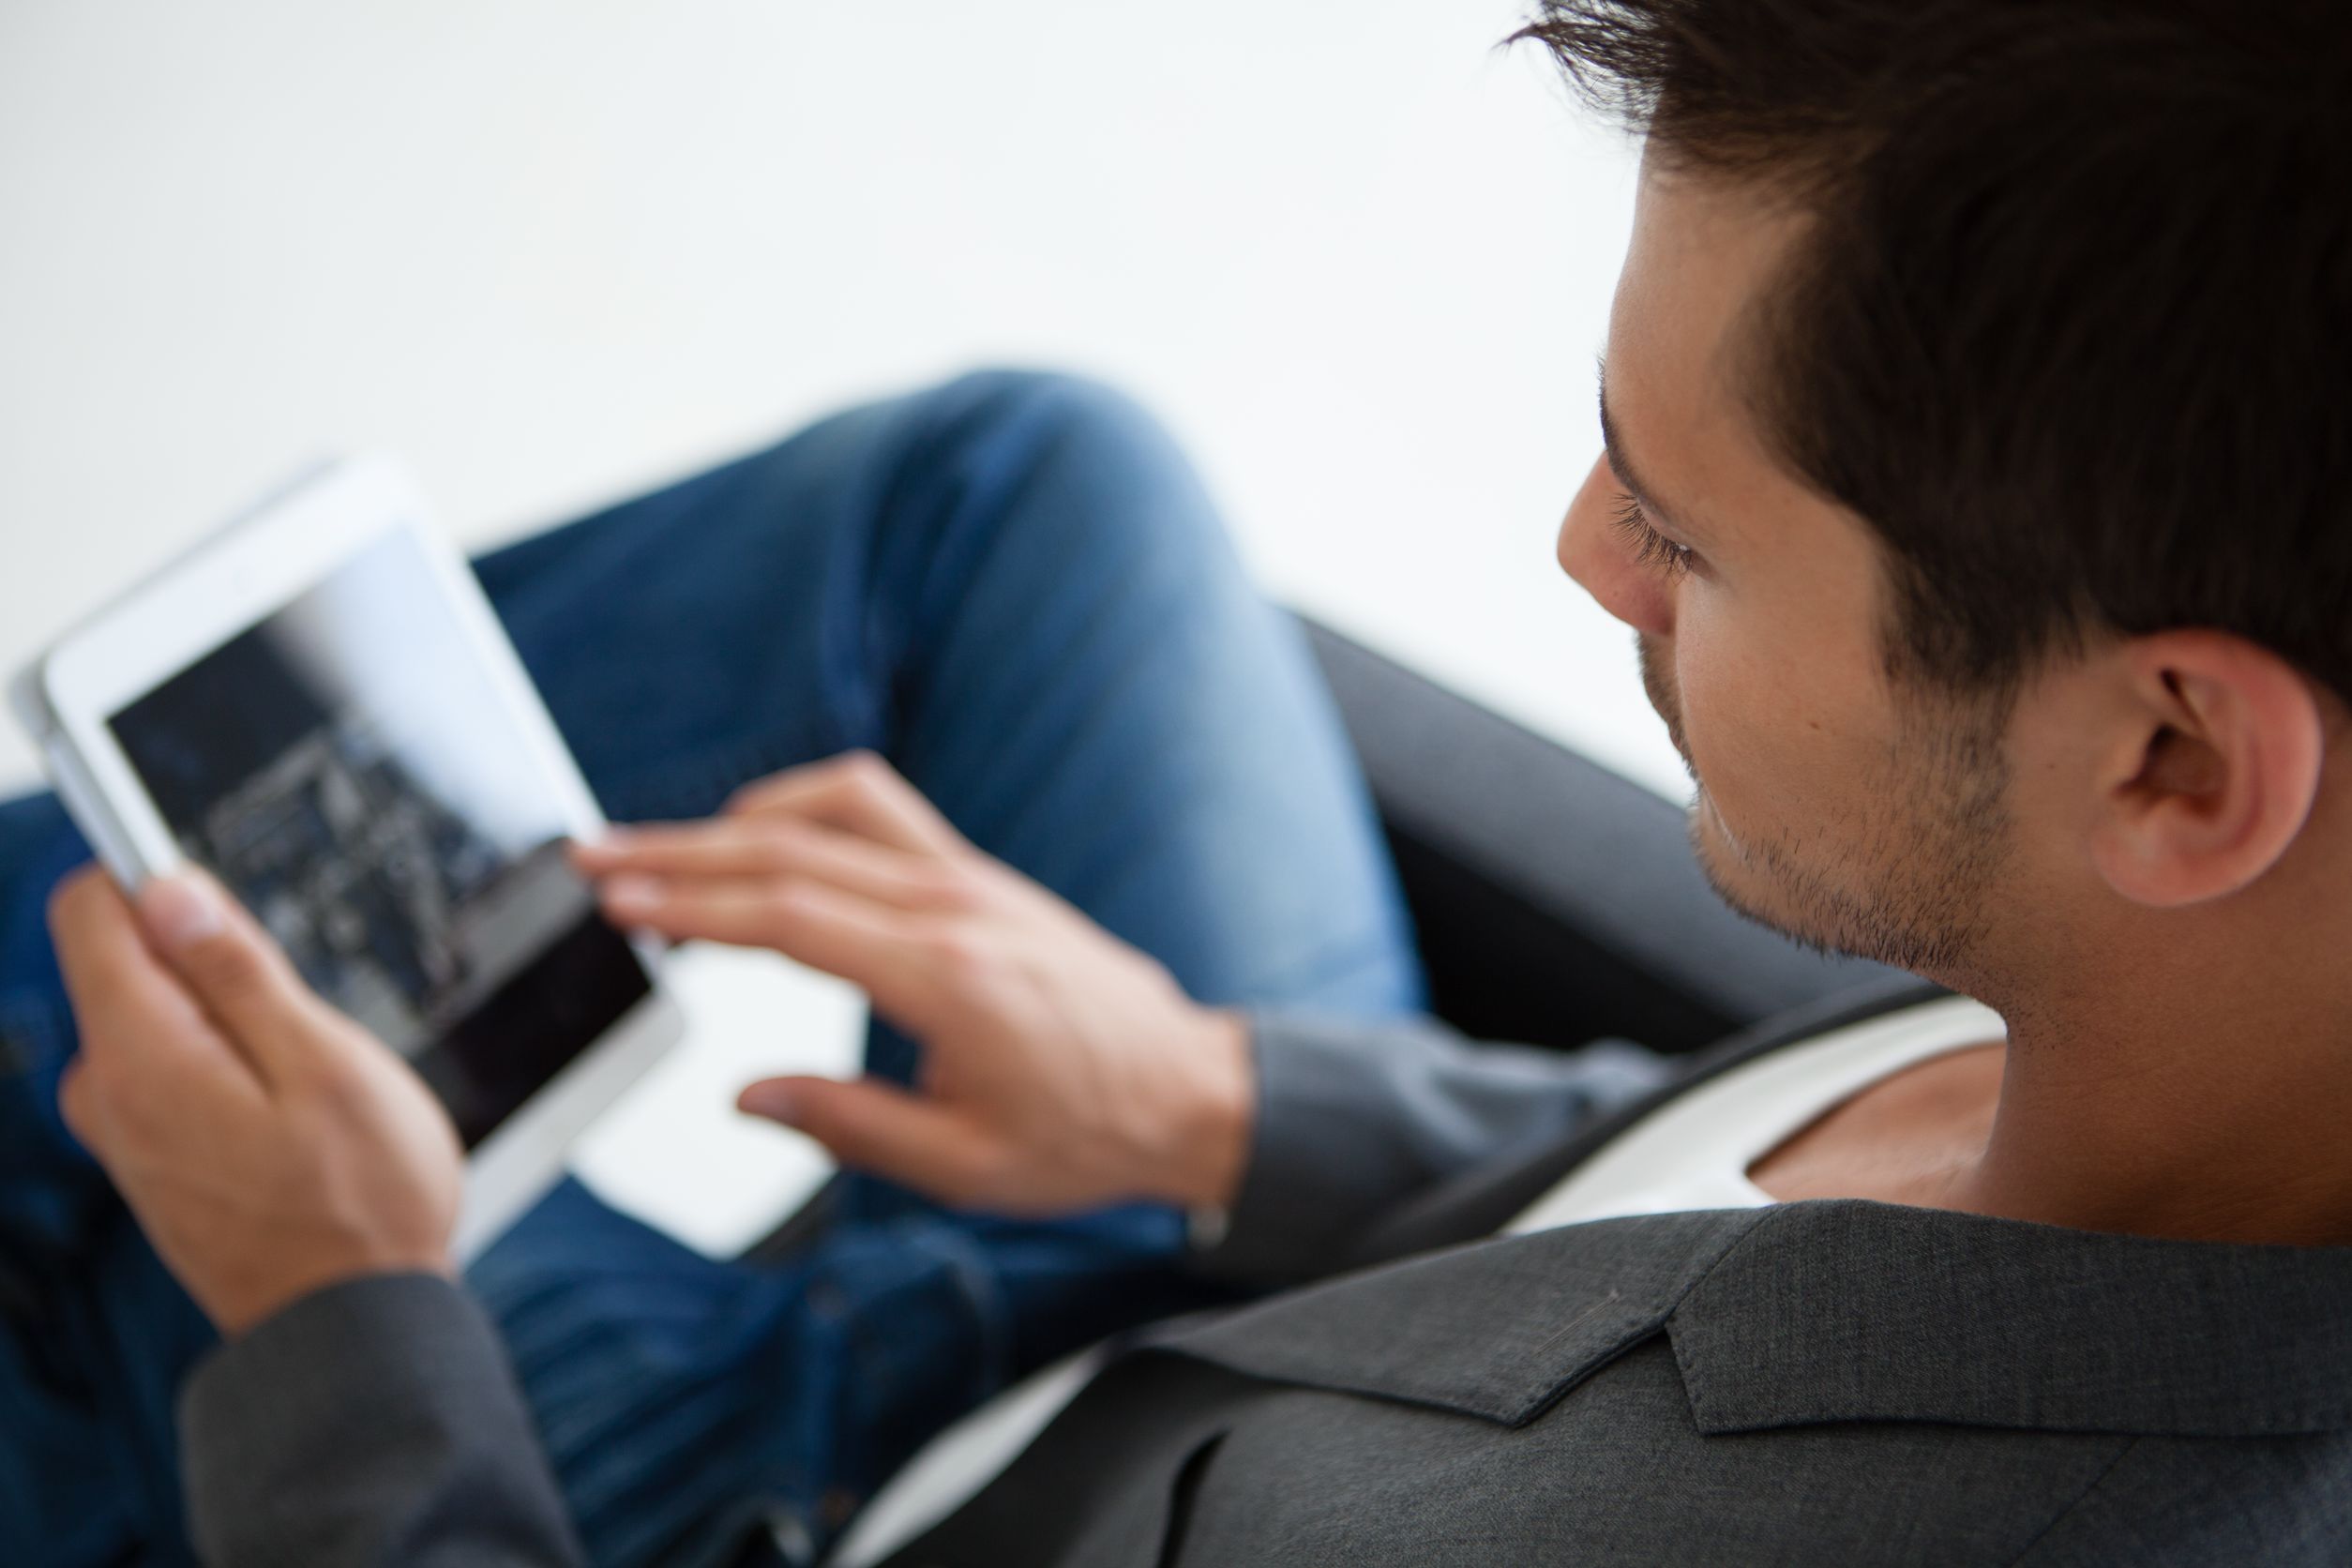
<point>2200,1092</point>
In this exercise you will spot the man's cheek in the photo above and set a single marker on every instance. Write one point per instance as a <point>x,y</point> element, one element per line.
<point>1757,750</point>
<point>1721,755</point>
<point>1716,702</point>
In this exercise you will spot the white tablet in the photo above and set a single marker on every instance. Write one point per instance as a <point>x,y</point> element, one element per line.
<point>319,705</point>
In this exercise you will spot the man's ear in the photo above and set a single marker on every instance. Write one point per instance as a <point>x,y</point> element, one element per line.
<point>2218,773</point>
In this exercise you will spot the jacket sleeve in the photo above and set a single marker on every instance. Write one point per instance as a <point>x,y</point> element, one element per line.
<point>375,1422</point>
<point>1354,1119</point>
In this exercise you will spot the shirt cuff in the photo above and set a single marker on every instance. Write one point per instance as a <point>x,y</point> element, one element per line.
<point>1322,1162</point>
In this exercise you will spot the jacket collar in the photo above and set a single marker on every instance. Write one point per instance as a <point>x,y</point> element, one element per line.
<point>1836,1311</point>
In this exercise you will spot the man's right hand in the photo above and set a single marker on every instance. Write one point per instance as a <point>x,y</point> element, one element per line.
<point>269,1145</point>
<point>1063,1069</point>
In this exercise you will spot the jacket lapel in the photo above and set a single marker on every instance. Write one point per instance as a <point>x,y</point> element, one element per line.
<point>1834,1310</point>
<point>1499,1331</point>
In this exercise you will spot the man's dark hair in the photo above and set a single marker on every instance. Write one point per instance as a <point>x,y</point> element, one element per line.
<point>2073,329</point>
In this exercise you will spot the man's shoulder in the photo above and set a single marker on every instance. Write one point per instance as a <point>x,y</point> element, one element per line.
<point>1821,1381</point>
<point>1616,1473</point>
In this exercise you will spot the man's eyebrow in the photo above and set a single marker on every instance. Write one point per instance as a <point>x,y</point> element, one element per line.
<point>1622,465</point>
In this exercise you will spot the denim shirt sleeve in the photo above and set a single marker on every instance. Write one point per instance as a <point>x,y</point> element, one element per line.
<point>374,1422</point>
<point>1354,1119</point>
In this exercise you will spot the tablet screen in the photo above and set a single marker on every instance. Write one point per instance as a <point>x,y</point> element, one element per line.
<point>347,769</point>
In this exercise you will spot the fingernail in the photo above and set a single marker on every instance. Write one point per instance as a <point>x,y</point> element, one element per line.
<point>635,893</point>
<point>772,1101</point>
<point>180,911</point>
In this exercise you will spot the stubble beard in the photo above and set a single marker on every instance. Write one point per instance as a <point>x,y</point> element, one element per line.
<point>1905,877</point>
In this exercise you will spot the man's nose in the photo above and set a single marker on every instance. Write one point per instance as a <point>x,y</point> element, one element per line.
<point>1595,551</point>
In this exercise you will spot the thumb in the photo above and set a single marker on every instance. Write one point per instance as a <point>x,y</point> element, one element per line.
<point>874,1126</point>
<point>229,964</point>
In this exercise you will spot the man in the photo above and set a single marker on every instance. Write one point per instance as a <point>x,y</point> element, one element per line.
<point>1973,482</point>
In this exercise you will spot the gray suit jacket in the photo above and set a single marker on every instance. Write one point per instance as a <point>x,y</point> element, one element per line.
<point>1810,1383</point>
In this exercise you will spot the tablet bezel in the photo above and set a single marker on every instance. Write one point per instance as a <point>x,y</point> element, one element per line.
<point>231,581</point>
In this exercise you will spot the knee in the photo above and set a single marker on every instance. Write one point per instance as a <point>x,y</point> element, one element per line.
<point>1070,412</point>
<point>1007,390</point>
<point>1079,455</point>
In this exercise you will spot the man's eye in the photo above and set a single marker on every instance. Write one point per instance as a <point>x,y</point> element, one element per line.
<point>1650,548</point>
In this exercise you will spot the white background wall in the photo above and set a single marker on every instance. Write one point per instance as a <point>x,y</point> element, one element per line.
<point>551,251</point>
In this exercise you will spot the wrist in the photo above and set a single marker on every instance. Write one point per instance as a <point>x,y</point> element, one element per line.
<point>1210,1152</point>
<point>239,1308</point>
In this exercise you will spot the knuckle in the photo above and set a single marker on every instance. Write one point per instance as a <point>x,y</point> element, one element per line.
<point>958,1190</point>
<point>786,898</point>
<point>987,1177</point>
<point>228,967</point>
<point>869,771</point>
<point>73,1099</point>
<point>93,1079</point>
<point>949,886</point>
<point>960,952</point>
<point>333,1094</point>
<point>111,1099</point>
<point>779,837</point>
<point>137,1118</point>
<point>755,794</point>
<point>956,1182</point>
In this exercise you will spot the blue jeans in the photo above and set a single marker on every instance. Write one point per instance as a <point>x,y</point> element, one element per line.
<point>1014,588</point>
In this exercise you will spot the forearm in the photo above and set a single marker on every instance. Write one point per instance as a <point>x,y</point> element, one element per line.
<point>371,1424</point>
<point>1352,1120</point>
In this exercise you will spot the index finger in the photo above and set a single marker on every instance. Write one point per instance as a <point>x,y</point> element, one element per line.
<point>885,952</point>
<point>760,848</point>
<point>859,792</point>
